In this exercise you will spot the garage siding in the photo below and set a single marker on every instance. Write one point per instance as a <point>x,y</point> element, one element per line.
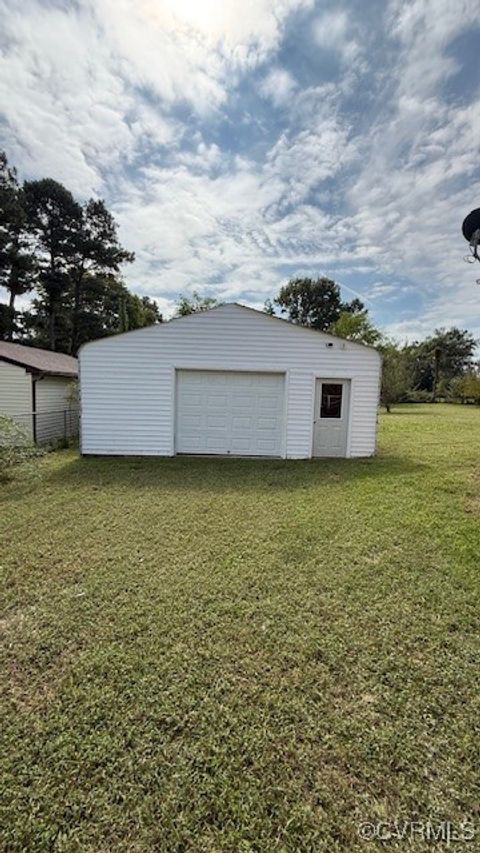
<point>128,381</point>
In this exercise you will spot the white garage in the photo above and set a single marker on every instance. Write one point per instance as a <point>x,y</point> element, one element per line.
<point>229,381</point>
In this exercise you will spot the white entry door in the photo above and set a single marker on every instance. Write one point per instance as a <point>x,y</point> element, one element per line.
<point>330,426</point>
<point>228,412</point>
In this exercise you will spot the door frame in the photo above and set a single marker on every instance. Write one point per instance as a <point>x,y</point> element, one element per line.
<point>334,376</point>
<point>209,368</point>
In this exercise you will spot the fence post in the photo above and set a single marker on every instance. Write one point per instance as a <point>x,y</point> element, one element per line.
<point>65,425</point>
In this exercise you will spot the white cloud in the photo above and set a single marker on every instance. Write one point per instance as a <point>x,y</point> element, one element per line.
<point>61,110</point>
<point>333,31</point>
<point>205,158</point>
<point>78,84</point>
<point>191,225</point>
<point>302,161</point>
<point>278,86</point>
<point>256,26</point>
<point>424,29</point>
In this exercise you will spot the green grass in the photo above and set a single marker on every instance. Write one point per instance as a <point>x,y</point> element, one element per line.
<point>236,655</point>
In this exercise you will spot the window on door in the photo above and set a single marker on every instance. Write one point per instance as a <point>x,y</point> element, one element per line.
<point>331,403</point>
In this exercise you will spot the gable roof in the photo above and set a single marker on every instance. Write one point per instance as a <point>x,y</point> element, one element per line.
<point>39,360</point>
<point>228,305</point>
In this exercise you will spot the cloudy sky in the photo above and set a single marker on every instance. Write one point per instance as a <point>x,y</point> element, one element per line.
<point>241,143</point>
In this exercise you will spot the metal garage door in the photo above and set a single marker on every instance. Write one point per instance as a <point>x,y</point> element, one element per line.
<point>228,412</point>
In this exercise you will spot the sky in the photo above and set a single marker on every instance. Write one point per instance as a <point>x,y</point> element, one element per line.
<point>239,144</point>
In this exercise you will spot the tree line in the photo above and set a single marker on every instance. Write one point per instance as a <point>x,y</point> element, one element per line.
<point>68,256</point>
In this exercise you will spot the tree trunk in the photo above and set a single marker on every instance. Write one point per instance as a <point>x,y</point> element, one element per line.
<point>77,304</point>
<point>11,308</point>
<point>51,328</point>
<point>51,304</point>
<point>388,407</point>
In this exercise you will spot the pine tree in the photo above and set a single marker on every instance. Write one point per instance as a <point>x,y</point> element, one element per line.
<point>97,252</point>
<point>54,219</point>
<point>17,262</point>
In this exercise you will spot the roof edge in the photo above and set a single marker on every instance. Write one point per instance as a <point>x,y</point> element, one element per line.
<point>30,369</point>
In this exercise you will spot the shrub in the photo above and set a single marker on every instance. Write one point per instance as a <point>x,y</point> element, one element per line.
<point>466,389</point>
<point>444,391</point>
<point>16,448</point>
<point>419,395</point>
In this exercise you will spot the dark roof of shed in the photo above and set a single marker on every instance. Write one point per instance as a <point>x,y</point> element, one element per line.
<point>39,360</point>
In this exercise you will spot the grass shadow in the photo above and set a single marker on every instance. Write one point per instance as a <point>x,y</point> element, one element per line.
<point>410,413</point>
<point>218,474</point>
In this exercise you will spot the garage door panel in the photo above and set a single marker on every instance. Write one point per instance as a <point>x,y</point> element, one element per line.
<point>215,444</point>
<point>241,446</point>
<point>217,421</point>
<point>267,423</point>
<point>189,399</point>
<point>242,402</point>
<point>229,412</point>
<point>268,404</point>
<point>192,422</point>
<point>266,447</point>
<point>242,422</point>
<point>217,400</point>
<point>193,443</point>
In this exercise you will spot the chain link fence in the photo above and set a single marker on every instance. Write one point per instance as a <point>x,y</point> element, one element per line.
<point>53,427</point>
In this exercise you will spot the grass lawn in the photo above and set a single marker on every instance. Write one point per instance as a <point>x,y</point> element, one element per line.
<point>237,655</point>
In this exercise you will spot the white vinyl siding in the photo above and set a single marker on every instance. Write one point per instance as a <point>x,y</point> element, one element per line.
<point>16,394</point>
<point>128,381</point>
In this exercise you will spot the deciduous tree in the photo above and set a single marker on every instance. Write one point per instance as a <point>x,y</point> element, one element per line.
<point>356,327</point>
<point>440,358</point>
<point>396,375</point>
<point>316,303</point>
<point>193,304</point>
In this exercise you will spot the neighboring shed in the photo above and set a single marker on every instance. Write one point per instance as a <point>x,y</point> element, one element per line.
<point>35,388</point>
<point>229,381</point>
